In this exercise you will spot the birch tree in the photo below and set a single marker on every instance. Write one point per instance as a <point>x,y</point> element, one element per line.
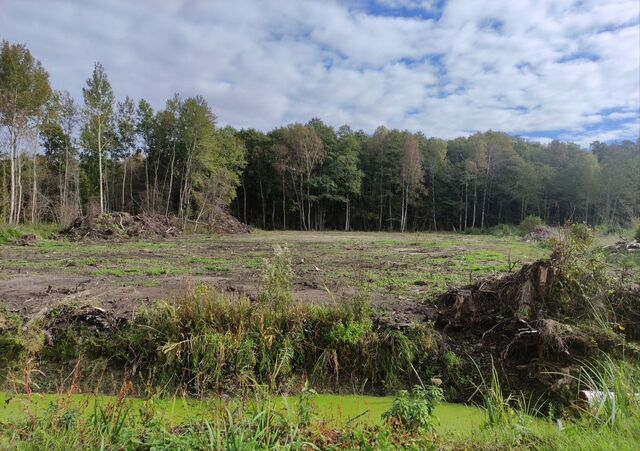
<point>98,131</point>
<point>411,173</point>
<point>125,144</point>
<point>24,91</point>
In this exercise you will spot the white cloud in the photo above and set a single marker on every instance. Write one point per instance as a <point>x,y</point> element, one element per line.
<point>526,67</point>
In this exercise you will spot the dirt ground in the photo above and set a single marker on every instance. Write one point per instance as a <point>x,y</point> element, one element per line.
<point>402,273</point>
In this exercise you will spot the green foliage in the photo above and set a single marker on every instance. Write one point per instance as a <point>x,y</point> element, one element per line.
<point>208,341</point>
<point>10,234</point>
<point>349,333</point>
<point>306,405</point>
<point>277,280</point>
<point>636,234</point>
<point>413,411</point>
<point>11,342</point>
<point>452,363</point>
<point>529,224</point>
<point>609,229</point>
<point>582,235</point>
<point>614,387</point>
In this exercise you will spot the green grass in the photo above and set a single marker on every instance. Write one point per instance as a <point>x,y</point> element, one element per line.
<point>9,234</point>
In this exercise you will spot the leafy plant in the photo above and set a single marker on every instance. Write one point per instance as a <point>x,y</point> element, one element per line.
<point>351,333</point>
<point>413,411</point>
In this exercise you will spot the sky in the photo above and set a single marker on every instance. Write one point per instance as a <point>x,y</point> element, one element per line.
<point>540,69</point>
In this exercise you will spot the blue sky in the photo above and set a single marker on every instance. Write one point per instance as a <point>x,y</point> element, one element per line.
<point>541,69</point>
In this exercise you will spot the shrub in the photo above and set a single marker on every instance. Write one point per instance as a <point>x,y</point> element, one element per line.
<point>581,234</point>
<point>413,411</point>
<point>636,235</point>
<point>350,333</point>
<point>529,224</point>
<point>452,362</point>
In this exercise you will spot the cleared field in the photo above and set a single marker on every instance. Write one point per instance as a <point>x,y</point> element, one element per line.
<point>399,271</point>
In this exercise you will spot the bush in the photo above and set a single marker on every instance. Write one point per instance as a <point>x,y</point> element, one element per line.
<point>582,235</point>
<point>529,224</point>
<point>413,411</point>
<point>636,236</point>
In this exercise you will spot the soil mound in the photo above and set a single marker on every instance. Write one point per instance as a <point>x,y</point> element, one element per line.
<point>116,226</point>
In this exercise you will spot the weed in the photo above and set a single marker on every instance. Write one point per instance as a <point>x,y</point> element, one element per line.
<point>277,279</point>
<point>413,411</point>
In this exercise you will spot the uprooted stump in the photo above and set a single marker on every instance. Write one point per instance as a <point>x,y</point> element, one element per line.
<point>515,294</point>
<point>519,322</point>
<point>514,313</point>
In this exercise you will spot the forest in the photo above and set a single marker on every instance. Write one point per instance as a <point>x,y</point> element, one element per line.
<point>63,157</point>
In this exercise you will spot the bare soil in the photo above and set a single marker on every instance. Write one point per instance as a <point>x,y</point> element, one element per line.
<point>399,271</point>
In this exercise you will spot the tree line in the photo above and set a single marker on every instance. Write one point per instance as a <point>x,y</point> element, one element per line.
<point>62,158</point>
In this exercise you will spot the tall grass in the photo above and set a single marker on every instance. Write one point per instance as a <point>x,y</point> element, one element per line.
<point>615,386</point>
<point>209,341</point>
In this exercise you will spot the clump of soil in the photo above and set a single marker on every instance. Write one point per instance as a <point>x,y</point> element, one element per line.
<point>120,225</point>
<point>227,224</point>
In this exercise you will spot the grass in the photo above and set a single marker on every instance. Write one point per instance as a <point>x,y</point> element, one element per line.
<point>336,260</point>
<point>9,234</point>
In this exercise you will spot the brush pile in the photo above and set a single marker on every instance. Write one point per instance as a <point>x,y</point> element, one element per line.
<point>542,233</point>
<point>227,224</point>
<point>623,245</point>
<point>120,225</point>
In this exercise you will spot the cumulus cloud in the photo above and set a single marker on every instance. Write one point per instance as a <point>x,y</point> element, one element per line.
<point>562,68</point>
